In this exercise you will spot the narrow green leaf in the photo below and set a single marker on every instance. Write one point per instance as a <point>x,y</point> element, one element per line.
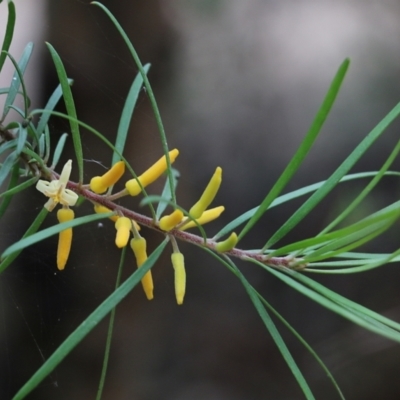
<point>307,246</point>
<point>126,115</point>
<point>58,150</point>
<point>8,164</point>
<point>304,148</point>
<point>8,145</point>
<point>269,324</point>
<point>22,136</point>
<point>294,195</point>
<point>377,178</point>
<point>45,233</point>
<point>70,106</point>
<point>13,189</point>
<point>8,34</point>
<point>89,323</point>
<point>51,104</point>
<point>166,193</point>
<point>338,304</point>
<point>303,342</point>
<point>31,230</point>
<point>18,80</point>
<point>9,192</point>
<point>333,180</point>
<point>149,90</point>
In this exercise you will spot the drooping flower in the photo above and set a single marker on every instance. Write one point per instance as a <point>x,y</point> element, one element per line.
<point>64,238</point>
<point>138,245</point>
<point>100,184</point>
<point>123,227</point>
<point>178,263</point>
<point>151,174</point>
<point>56,189</point>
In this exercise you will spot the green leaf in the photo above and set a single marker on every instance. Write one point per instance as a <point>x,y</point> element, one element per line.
<point>377,178</point>
<point>340,305</point>
<point>22,136</point>
<point>45,233</point>
<point>31,230</point>
<point>269,324</point>
<point>166,193</point>
<point>126,115</point>
<point>304,148</point>
<point>8,34</point>
<point>89,323</point>
<point>58,150</point>
<point>333,180</point>
<point>18,80</point>
<point>8,193</point>
<point>7,166</point>
<point>294,195</point>
<point>51,104</point>
<point>149,91</point>
<point>70,106</point>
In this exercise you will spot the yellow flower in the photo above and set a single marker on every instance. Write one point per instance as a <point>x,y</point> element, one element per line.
<point>208,195</point>
<point>99,184</point>
<point>138,245</point>
<point>178,263</point>
<point>123,227</point>
<point>170,221</point>
<point>64,238</point>
<point>206,217</point>
<point>150,175</point>
<point>56,189</point>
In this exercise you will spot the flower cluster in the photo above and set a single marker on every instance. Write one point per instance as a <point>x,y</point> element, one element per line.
<point>178,220</point>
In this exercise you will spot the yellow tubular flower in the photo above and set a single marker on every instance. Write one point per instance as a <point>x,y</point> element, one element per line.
<point>170,221</point>
<point>227,244</point>
<point>208,195</point>
<point>100,184</point>
<point>64,238</point>
<point>178,263</point>
<point>150,175</point>
<point>123,227</point>
<point>207,216</point>
<point>138,245</point>
<point>56,189</point>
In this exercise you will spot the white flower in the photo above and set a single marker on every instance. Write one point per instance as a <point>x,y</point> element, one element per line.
<point>56,189</point>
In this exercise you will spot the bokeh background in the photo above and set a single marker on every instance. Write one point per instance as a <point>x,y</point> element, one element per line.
<point>238,84</point>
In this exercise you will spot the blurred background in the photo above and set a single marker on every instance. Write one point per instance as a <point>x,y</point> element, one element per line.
<point>238,85</point>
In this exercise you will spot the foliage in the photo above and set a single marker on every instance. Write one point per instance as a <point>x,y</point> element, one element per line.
<point>25,149</point>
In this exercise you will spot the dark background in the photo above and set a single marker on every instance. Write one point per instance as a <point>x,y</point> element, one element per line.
<point>238,84</point>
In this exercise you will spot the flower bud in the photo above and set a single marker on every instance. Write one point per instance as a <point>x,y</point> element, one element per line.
<point>100,184</point>
<point>64,237</point>
<point>227,244</point>
<point>208,195</point>
<point>123,227</point>
<point>207,216</point>
<point>138,245</point>
<point>150,175</point>
<point>178,263</point>
<point>170,221</point>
